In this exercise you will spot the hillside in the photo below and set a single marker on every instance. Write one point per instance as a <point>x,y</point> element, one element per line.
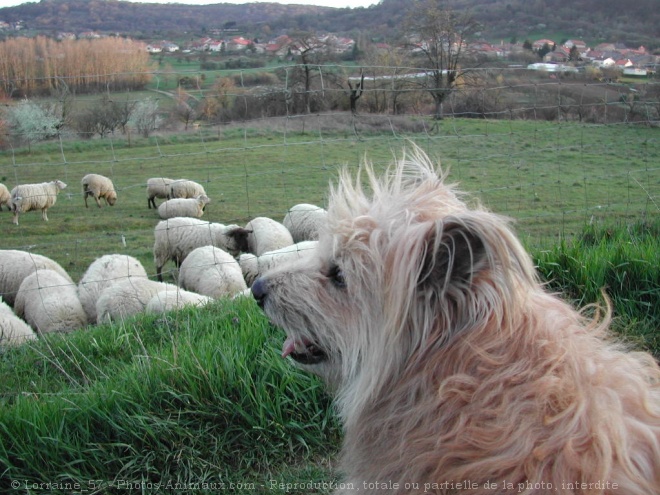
<point>592,20</point>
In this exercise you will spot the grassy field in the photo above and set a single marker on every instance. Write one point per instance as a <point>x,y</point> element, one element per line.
<point>551,178</point>
<point>200,401</point>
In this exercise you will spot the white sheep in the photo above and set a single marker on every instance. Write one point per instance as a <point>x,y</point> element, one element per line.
<point>15,265</point>
<point>183,207</point>
<point>169,300</point>
<point>5,197</point>
<point>29,197</point>
<point>102,273</point>
<point>184,188</point>
<point>157,187</point>
<point>304,221</point>
<point>13,330</point>
<point>265,234</point>
<point>127,298</point>
<point>49,302</point>
<point>210,271</point>
<point>176,237</point>
<point>98,186</point>
<point>253,266</point>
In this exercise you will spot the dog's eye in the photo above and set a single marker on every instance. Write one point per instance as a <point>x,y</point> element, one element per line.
<point>336,276</point>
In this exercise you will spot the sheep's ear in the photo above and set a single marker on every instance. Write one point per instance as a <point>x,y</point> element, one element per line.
<point>240,236</point>
<point>454,253</point>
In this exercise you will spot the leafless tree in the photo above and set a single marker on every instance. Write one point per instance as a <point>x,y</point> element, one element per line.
<point>355,93</point>
<point>310,52</point>
<point>440,36</point>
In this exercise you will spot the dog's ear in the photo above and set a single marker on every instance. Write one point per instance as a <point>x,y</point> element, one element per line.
<point>454,253</point>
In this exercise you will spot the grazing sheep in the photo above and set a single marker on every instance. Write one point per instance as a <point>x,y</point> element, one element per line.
<point>102,273</point>
<point>183,207</point>
<point>210,271</point>
<point>267,235</point>
<point>176,237</point>
<point>13,330</point>
<point>303,221</point>
<point>127,298</point>
<point>169,300</point>
<point>184,188</point>
<point>49,303</point>
<point>29,197</point>
<point>5,197</point>
<point>157,187</point>
<point>253,266</point>
<point>98,186</point>
<point>16,265</point>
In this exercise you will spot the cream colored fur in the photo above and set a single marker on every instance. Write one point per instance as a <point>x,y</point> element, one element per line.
<point>454,371</point>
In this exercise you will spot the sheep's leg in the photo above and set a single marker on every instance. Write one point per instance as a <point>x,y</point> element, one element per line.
<point>44,215</point>
<point>85,194</point>
<point>15,219</point>
<point>98,201</point>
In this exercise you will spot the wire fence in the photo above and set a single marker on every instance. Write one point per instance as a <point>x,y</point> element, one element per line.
<point>554,151</point>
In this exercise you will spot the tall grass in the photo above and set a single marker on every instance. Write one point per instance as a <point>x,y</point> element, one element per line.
<point>623,260</point>
<point>203,396</point>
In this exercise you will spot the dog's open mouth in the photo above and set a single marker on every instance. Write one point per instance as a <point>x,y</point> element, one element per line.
<point>303,351</point>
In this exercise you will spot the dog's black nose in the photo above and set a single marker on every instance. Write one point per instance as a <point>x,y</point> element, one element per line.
<point>259,291</point>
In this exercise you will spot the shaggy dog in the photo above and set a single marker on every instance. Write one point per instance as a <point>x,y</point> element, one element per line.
<point>454,371</point>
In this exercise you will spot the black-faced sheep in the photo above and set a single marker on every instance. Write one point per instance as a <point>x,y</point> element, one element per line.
<point>304,221</point>
<point>15,265</point>
<point>157,187</point>
<point>5,197</point>
<point>210,271</point>
<point>265,234</point>
<point>169,300</point>
<point>49,303</point>
<point>13,330</point>
<point>29,197</point>
<point>183,207</point>
<point>254,266</point>
<point>127,298</point>
<point>98,186</point>
<point>184,188</point>
<point>176,237</point>
<point>102,273</point>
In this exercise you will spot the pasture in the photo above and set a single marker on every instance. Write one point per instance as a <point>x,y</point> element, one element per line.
<point>552,179</point>
<point>200,399</point>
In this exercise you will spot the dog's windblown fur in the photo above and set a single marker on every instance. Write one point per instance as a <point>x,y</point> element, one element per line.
<point>453,370</point>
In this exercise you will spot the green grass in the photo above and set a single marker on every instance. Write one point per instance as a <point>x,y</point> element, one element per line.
<point>623,260</point>
<point>551,178</point>
<point>196,396</point>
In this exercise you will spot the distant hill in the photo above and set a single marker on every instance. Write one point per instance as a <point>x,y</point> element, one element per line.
<point>634,23</point>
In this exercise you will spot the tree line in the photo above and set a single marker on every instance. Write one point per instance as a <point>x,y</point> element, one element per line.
<point>41,65</point>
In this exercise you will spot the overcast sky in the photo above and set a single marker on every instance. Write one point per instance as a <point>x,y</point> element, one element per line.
<point>326,3</point>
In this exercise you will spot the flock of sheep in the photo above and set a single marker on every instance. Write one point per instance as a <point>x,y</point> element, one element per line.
<point>214,260</point>
<point>184,197</point>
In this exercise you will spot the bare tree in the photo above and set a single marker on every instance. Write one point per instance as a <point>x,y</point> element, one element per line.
<point>311,53</point>
<point>441,36</point>
<point>355,93</point>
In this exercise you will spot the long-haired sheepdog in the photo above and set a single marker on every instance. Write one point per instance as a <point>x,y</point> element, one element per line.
<point>453,370</point>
